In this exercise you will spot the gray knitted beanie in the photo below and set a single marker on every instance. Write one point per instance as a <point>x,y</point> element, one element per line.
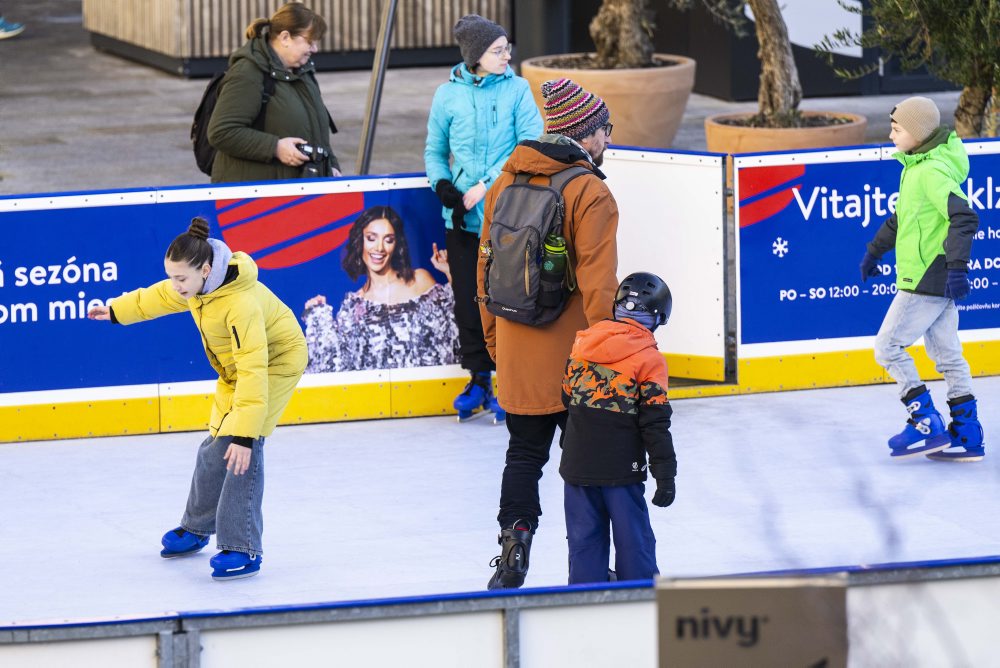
<point>474,35</point>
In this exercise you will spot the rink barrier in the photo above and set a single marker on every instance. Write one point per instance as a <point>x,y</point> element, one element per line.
<point>97,381</point>
<point>803,219</point>
<point>736,324</point>
<point>917,614</point>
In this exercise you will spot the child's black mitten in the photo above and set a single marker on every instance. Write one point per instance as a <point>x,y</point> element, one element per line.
<point>666,490</point>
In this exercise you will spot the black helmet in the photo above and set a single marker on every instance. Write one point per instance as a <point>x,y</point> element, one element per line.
<point>643,291</point>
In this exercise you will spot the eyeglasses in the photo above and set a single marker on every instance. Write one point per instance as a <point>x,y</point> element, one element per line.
<point>500,50</point>
<point>306,38</point>
<point>607,129</point>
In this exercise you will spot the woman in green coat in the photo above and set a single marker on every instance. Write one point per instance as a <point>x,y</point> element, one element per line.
<point>280,48</point>
<point>255,344</point>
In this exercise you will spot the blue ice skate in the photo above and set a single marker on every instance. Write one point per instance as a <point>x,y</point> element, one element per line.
<point>231,565</point>
<point>179,542</point>
<point>499,414</point>
<point>473,401</point>
<point>965,431</point>
<point>924,432</point>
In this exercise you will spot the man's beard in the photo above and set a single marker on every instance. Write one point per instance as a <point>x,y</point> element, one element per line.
<point>599,160</point>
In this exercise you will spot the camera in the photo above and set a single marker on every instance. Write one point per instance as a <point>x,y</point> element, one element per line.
<point>315,157</point>
<point>307,150</point>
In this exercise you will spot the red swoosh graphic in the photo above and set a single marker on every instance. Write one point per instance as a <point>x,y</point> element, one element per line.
<point>254,207</point>
<point>284,224</point>
<point>755,180</point>
<point>304,251</point>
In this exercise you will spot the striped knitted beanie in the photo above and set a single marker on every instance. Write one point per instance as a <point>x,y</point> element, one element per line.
<point>572,111</point>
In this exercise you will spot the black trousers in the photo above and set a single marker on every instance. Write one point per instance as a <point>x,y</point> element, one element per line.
<point>528,451</point>
<point>463,254</point>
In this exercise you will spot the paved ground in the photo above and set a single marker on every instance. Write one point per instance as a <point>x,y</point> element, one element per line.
<point>72,118</point>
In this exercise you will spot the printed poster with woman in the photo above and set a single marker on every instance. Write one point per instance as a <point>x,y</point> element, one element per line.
<point>367,273</point>
<point>399,316</point>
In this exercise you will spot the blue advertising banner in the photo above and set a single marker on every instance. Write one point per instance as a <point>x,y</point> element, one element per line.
<point>57,263</point>
<point>803,231</point>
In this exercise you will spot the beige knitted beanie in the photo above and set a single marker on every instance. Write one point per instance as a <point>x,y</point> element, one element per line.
<point>918,115</point>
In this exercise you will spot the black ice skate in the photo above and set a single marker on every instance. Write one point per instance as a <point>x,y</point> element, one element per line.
<point>512,562</point>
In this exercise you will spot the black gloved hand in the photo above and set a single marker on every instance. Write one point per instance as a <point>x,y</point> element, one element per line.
<point>458,217</point>
<point>449,195</point>
<point>666,490</point>
<point>869,267</point>
<point>957,286</point>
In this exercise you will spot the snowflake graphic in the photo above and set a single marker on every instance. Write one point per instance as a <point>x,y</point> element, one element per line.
<point>780,247</point>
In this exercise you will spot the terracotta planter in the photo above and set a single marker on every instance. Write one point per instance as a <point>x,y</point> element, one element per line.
<point>646,104</point>
<point>723,138</point>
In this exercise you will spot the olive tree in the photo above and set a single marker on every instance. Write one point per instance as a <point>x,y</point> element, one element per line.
<point>780,90</point>
<point>956,40</point>
<point>622,33</point>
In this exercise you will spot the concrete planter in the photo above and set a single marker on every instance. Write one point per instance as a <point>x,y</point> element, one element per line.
<point>646,104</point>
<point>725,138</point>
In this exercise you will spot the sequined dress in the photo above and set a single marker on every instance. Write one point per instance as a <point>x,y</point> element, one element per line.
<point>366,335</point>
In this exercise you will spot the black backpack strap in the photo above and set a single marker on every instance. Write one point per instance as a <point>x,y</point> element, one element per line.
<point>559,180</point>
<point>267,92</point>
<point>329,118</point>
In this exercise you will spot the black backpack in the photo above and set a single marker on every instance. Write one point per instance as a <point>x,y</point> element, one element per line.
<point>204,152</point>
<point>525,213</point>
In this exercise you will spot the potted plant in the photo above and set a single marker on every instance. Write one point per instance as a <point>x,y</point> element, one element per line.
<point>956,40</point>
<point>646,92</point>
<point>778,124</point>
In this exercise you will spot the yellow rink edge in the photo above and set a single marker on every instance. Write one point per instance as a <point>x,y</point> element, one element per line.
<point>434,396</point>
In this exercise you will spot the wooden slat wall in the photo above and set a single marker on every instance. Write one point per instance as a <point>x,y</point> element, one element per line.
<point>211,28</point>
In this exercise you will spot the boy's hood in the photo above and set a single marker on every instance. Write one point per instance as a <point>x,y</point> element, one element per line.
<point>611,341</point>
<point>945,149</point>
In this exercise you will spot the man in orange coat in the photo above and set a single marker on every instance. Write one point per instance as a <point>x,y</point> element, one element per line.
<point>531,360</point>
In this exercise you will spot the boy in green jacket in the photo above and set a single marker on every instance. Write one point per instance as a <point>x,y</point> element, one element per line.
<point>932,231</point>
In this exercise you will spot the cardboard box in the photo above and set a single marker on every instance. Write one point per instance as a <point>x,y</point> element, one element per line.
<point>752,622</point>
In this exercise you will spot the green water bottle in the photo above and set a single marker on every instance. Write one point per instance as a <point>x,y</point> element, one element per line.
<point>553,270</point>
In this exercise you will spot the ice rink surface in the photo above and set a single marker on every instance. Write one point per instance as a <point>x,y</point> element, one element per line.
<point>389,508</point>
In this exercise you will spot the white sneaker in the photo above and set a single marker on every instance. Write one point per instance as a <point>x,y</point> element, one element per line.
<point>9,29</point>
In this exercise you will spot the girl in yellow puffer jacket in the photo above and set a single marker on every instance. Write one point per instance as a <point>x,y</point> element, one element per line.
<point>255,344</point>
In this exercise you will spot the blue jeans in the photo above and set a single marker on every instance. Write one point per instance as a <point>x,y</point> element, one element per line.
<point>911,316</point>
<point>589,511</point>
<point>225,504</point>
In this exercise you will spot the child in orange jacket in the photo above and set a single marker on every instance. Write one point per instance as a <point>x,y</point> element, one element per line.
<point>615,390</point>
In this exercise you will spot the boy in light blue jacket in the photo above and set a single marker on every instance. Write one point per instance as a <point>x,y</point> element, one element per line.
<point>476,120</point>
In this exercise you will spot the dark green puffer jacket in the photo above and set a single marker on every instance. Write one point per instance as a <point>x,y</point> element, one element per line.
<point>295,110</point>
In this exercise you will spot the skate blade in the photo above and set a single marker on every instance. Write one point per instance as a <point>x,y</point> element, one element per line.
<point>957,458</point>
<point>921,452</point>
<point>472,416</point>
<point>175,555</point>
<point>225,576</point>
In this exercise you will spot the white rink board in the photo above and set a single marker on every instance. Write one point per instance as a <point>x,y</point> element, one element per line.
<point>614,634</point>
<point>947,623</point>
<point>920,624</point>
<point>441,641</point>
<point>138,652</point>
<point>672,223</point>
